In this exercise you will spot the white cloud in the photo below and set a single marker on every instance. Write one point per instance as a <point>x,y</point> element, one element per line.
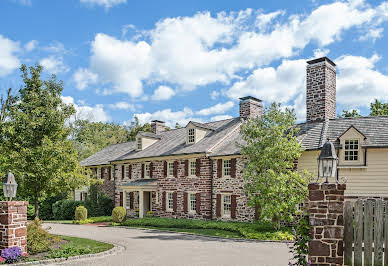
<point>219,108</point>
<point>269,84</point>
<point>321,52</point>
<point>214,95</point>
<point>31,45</point>
<point>24,2</point>
<point>106,3</point>
<point>299,106</point>
<point>163,93</point>
<point>85,112</point>
<point>358,76</point>
<point>123,106</point>
<point>54,64</point>
<point>8,59</point>
<point>83,77</point>
<point>56,47</point>
<point>220,117</point>
<point>372,34</point>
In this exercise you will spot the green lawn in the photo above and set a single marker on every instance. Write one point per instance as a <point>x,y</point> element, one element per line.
<point>262,231</point>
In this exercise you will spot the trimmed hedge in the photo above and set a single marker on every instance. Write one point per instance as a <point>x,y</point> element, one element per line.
<point>81,213</point>
<point>65,209</point>
<point>119,214</point>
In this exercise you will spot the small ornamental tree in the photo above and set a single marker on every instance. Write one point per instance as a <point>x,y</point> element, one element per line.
<point>274,187</point>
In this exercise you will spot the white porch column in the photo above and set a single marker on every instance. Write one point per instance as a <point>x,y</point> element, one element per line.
<point>141,204</point>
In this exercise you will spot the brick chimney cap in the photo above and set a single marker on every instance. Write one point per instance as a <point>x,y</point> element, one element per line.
<point>158,121</point>
<point>322,59</point>
<point>250,98</point>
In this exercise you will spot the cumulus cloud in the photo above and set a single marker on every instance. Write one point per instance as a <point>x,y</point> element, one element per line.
<point>203,49</point>
<point>358,76</point>
<point>54,64</point>
<point>123,106</point>
<point>31,45</point>
<point>220,117</point>
<point>105,3</point>
<point>85,112</point>
<point>219,108</point>
<point>163,93</point>
<point>8,56</point>
<point>24,2</point>
<point>83,77</point>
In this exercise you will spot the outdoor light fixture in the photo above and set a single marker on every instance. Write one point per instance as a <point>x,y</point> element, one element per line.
<point>9,186</point>
<point>327,162</point>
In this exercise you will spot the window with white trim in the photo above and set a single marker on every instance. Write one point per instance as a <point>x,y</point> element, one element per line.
<point>227,166</point>
<point>226,205</point>
<point>127,171</point>
<point>127,199</point>
<point>351,150</point>
<point>147,170</point>
<point>193,167</point>
<point>170,169</point>
<point>191,135</point>
<point>139,143</point>
<point>192,202</point>
<point>170,201</point>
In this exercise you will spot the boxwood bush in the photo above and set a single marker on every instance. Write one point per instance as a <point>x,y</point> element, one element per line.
<point>119,214</point>
<point>81,213</point>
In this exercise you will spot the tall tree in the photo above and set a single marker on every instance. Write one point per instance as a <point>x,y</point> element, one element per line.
<point>271,148</point>
<point>351,113</point>
<point>36,139</point>
<point>378,108</point>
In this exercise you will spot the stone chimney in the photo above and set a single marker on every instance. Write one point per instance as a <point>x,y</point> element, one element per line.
<point>250,107</point>
<point>321,90</point>
<point>157,126</point>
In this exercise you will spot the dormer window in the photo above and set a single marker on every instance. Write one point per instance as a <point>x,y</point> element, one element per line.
<point>351,150</point>
<point>139,143</point>
<point>191,136</point>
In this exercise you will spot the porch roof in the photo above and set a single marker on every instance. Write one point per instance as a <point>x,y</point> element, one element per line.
<point>141,184</point>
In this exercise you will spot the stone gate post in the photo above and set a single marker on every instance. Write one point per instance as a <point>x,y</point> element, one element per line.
<point>13,224</point>
<point>326,209</point>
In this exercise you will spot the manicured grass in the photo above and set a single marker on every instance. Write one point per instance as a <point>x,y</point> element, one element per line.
<point>262,231</point>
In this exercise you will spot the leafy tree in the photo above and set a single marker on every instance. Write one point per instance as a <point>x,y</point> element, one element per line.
<point>177,125</point>
<point>271,148</point>
<point>351,113</point>
<point>378,108</point>
<point>136,127</point>
<point>36,140</point>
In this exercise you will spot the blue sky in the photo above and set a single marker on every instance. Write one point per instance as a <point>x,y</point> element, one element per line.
<point>191,60</point>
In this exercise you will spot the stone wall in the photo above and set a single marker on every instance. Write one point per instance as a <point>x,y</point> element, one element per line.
<point>13,224</point>
<point>108,186</point>
<point>320,90</point>
<point>326,208</point>
<point>250,107</point>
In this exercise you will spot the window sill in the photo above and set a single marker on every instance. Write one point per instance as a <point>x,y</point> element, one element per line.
<point>352,166</point>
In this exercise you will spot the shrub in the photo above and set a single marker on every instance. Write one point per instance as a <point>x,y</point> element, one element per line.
<point>299,249</point>
<point>87,221</point>
<point>46,206</point>
<point>97,203</point>
<point>81,213</point>
<point>65,209</point>
<point>68,251</point>
<point>30,212</point>
<point>119,214</point>
<point>12,254</point>
<point>38,239</point>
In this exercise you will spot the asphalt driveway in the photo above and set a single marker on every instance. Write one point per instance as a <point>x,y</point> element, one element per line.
<point>150,247</point>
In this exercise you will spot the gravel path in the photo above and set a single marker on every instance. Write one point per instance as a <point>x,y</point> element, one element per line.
<point>151,247</point>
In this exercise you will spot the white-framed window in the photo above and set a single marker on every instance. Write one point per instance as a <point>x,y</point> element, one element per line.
<point>192,167</point>
<point>139,143</point>
<point>226,205</point>
<point>191,135</point>
<point>170,201</point>
<point>170,169</point>
<point>226,168</point>
<point>192,202</point>
<point>127,171</point>
<point>147,170</point>
<point>351,150</point>
<point>84,195</point>
<point>127,199</point>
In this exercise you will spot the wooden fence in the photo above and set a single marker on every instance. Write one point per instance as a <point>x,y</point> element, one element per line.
<point>366,232</point>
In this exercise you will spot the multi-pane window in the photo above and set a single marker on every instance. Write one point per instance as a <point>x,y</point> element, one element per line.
<point>226,205</point>
<point>193,166</point>
<point>127,171</point>
<point>147,170</point>
<point>139,143</point>
<point>170,201</point>
<point>192,202</point>
<point>191,135</point>
<point>227,165</point>
<point>351,150</point>
<point>170,169</point>
<point>127,199</point>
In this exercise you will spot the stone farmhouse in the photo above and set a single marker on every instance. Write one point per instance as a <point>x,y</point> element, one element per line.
<point>196,171</point>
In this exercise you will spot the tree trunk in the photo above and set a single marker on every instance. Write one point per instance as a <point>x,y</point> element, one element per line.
<point>36,209</point>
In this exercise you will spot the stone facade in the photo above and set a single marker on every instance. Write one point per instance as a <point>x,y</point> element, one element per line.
<point>13,224</point>
<point>321,90</point>
<point>108,185</point>
<point>250,107</point>
<point>326,208</point>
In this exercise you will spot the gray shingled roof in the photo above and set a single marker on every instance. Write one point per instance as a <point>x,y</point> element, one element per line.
<point>149,135</point>
<point>140,182</point>
<point>108,153</point>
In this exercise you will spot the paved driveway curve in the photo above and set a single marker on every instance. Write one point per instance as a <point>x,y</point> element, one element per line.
<point>150,247</point>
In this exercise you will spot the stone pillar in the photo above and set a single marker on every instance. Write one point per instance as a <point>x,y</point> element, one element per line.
<point>326,209</point>
<point>13,224</point>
